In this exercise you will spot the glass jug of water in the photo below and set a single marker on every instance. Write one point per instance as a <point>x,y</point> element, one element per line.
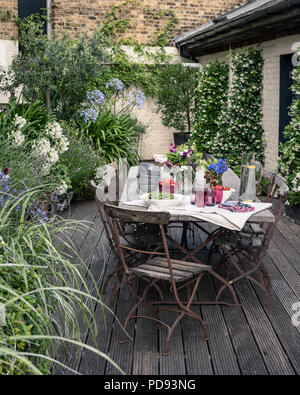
<point>250,168</point>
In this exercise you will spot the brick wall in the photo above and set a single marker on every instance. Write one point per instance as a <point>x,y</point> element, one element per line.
<point>144,15</point>
<point>8,29</point>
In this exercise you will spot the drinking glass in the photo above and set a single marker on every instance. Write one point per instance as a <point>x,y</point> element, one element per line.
<point>199,198</point>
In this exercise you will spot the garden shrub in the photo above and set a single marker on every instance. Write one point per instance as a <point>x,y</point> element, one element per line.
<point>211,100</point>
<point>175,96</point>
<point>57,72</point>
<point>114,136</point>
<point>289,160</point>
<point>240,125</point>
<point>82,160</point>
<point>106,119</point>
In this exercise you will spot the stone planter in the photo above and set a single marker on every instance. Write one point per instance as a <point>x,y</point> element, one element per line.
<point>293,212</point>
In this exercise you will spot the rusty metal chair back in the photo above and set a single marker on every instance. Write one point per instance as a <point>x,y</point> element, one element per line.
<point>279,187</point>
<point>100,206</point>
<point>158,267</point>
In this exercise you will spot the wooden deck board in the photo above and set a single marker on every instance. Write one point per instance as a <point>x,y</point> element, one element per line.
<point>246,340</point>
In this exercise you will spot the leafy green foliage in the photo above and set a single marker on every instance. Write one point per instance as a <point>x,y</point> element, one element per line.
<point>211,99</point>
<point>240,125</point>
<point>82,160</point>
<point>61,68</point>
<point>141,72</point>
<point>43,291</point>
<point>35,114</point>
<point>175,98</point>
<point>289,161</point>
<point>116,137</point>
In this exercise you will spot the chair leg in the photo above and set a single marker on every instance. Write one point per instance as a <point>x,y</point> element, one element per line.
<point>139,303</point>
<point>112,274</point>
<point>170,332</point>
<point>266,280</point>
<point>186,310</point>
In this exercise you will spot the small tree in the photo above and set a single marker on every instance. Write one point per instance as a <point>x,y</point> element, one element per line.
<point>175,98</point>
<point>62,68</point>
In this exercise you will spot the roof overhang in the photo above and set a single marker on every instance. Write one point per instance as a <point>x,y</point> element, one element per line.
<point>258,21</point>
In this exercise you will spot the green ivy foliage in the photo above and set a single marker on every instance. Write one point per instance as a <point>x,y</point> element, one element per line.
<point>240,125</point>
<point>211,100</point>
<point>143,71</point>
<point>289,160</point>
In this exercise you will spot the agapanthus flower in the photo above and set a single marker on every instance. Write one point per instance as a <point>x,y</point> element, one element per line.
<point>62,189</point>
<point>16,137</point>
<point>62,145</point>
<point>137,98</point>
<point>89,115</point>
<point>116,84</point>
<point>219,167</point>
<point>19,122</point>
<point>53,156</point>
<point>54,130</point>
<point>41,147</point>
<point>95,97</point>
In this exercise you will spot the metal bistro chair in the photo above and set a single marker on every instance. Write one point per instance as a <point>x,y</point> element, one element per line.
<point>135,235</point>
<point>244,251</point>
<point>157,266</point>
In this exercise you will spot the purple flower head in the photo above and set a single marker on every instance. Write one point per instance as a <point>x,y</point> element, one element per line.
<point>95,97</point>
<point>167,163</point>
<point>89,115</point>
<point>184,154</point>
<point>173,148</point>
<point>116,84</point>
<point>6,171</point>
<point>219,167</point>
<point>137,98</point>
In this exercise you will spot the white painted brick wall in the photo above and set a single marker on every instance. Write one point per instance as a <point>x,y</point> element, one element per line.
<point>8,50</point>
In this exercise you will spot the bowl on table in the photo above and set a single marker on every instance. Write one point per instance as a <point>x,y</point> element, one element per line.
<point>164,202</point>
<point>227,194</point>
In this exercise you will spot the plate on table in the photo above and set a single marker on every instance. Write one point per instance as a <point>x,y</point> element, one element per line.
<point>162,200</point>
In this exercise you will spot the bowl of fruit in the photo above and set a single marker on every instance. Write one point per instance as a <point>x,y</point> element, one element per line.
<point>168,185</point>
<point>161,200</point>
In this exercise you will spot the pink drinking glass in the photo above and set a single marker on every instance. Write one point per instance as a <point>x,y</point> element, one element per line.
<point>200,197</point>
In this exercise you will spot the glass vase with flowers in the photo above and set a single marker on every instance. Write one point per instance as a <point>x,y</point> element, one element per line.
<point>215,172</point>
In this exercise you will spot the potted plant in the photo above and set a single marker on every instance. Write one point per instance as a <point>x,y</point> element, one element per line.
<point>175,99</point>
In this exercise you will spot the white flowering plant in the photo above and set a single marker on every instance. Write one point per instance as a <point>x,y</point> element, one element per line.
<point>240,123</point>
<point>33,140</point>
<point>211,101</point>
<point>289,159</point>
